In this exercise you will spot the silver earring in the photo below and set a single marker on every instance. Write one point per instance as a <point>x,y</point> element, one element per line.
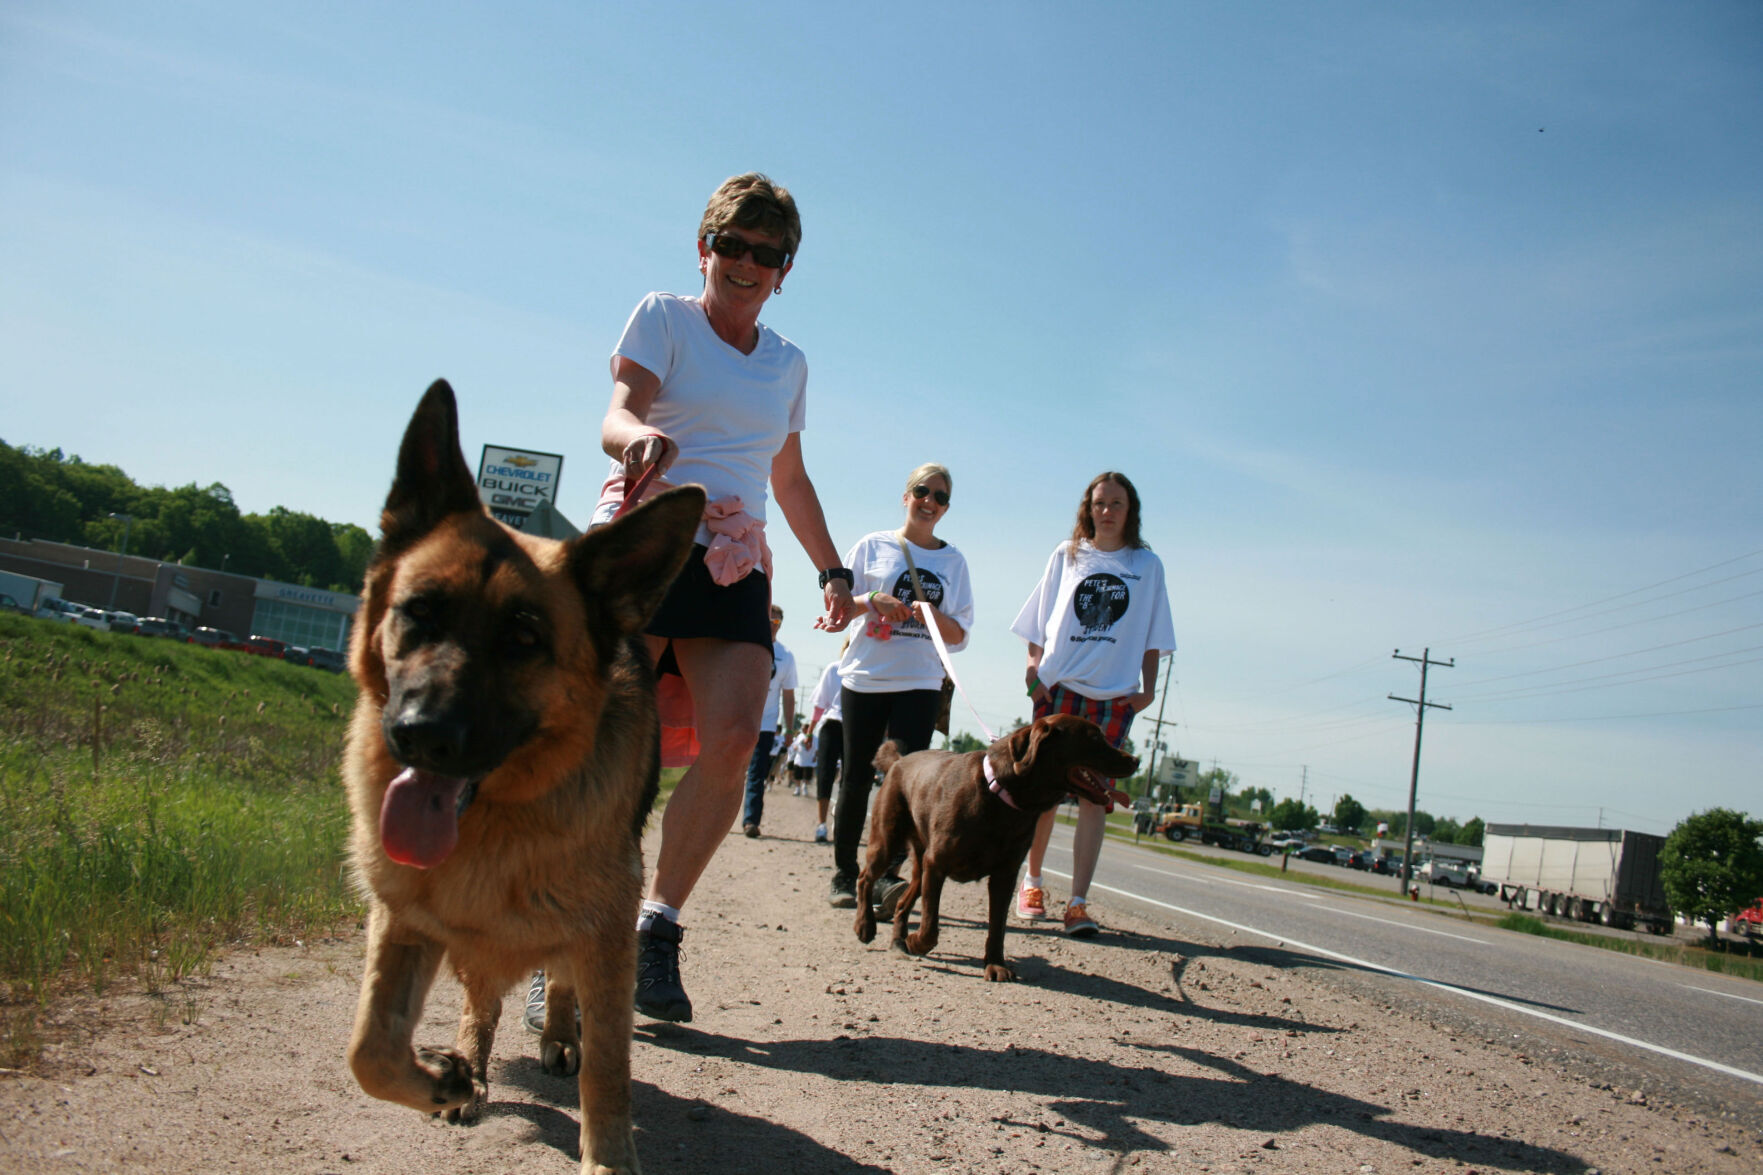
<point>777,289</point>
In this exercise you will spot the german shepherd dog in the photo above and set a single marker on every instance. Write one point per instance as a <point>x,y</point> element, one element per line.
<point>501,762</point>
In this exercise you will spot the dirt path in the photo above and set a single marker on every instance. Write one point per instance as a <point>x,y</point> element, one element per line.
<point>1153,1048</point>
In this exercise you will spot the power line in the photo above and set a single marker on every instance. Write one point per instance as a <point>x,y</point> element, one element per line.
<point>1614,656</point>
<point>1489,632</point>
<point>1577,687</point>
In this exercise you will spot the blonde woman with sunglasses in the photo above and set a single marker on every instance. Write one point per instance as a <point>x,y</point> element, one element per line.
<point>891,678</point>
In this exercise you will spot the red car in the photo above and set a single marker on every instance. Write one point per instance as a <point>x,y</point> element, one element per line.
<point>265,646</point>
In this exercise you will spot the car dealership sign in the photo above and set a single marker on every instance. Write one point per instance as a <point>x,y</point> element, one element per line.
<point>512,482</point>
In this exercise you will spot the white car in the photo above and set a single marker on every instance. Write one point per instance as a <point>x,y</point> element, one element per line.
<point>1440,873</point>
<point>90,617</point>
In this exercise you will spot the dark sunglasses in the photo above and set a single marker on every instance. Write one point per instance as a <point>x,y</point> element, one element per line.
<point>921,492</point>
<point>735,248</point>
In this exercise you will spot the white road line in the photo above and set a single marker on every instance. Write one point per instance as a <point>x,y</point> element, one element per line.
<point>1480,942</point>
<point>1727,994</point>
<point>1508,1005</point>
<point>1279,889</point>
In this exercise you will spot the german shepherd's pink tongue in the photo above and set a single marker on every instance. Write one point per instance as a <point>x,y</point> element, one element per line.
<point>419,819</point>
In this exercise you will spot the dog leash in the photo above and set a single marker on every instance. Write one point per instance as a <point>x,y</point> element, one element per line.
<point>936,637</point>
<point>634,487</point>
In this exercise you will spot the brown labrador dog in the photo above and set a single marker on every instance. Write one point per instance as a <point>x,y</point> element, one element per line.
<point>968,816</point>
<point>501,763</point>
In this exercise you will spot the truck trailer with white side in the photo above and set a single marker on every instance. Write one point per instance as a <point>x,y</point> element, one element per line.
<point>1605,875</point>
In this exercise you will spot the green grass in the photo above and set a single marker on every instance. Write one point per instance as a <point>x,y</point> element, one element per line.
<point>157,800</point>
<point>1740,963</point>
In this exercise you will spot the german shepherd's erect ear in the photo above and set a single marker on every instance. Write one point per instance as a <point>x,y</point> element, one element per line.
<point>625,567</point>
<point>433,480</point>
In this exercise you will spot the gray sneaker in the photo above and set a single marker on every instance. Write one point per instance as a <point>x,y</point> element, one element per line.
<point>534,1016</point>
<point>843,894</point>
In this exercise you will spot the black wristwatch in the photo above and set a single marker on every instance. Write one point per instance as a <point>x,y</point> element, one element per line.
<point>832,573</point>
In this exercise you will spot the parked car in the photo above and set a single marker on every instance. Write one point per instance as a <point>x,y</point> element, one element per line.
<point>214,638</point>
<point>264,646</point>
<point>55,608</point>
<point>1358,859</point>
<point>1286,844</point>
<point>160,626</point>
<point>1322,853</point>
<point>121,621</point>
<point>1388,866</point>
<point>90,617</point>
<point>320,657</point>
<point>8,604</point>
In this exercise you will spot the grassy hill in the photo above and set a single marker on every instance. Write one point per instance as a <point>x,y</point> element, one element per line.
<point>157,800</point>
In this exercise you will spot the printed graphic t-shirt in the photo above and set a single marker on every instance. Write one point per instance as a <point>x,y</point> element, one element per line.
<point>906,659</point>
<point>1096,618</point>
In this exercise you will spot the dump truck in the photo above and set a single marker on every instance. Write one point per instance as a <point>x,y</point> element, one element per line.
<point>1604,875</point>
<point>1180,822</point>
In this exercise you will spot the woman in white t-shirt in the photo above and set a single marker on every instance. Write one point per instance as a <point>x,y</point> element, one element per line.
<point>891,677</point>
<point>1096,625</point>
<point>705,392</point>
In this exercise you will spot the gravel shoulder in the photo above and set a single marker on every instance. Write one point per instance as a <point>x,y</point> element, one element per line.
<point>1156,1047</point>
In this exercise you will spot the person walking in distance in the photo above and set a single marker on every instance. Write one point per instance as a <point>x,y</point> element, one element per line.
<point>780,700</point>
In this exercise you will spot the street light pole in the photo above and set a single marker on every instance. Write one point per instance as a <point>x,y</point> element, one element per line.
<point>116,577</point>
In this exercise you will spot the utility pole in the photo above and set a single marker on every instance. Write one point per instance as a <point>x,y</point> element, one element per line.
<point>1157,738</point>
<point>1420,704</point>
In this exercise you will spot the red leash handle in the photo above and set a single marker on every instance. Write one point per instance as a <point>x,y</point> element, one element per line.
<point>634,487</point>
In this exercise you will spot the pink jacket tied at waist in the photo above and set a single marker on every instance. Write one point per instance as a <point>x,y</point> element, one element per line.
<point>737,543</point>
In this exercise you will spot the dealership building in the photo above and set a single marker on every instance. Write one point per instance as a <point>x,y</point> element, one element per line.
<point>192,596</point>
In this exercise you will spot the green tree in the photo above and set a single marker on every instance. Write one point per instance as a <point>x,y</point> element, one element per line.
<point>1712,866</point>
<point>1472,832</point>
<point>963,742</point>
<point>1447,832</point>
<point>1349,814</point>
<point>1291,815</point>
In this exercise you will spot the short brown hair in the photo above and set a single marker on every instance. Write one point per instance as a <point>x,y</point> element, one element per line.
<point>753,201</point>
<point>1086,521</point>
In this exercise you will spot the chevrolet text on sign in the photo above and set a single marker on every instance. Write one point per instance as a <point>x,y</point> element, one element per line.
<point>512,482</point>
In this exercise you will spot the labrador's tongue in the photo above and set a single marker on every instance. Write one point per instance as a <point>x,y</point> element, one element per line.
<point>419,820</point>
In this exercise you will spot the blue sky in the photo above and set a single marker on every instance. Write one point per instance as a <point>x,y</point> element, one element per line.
<point>1418,326</point>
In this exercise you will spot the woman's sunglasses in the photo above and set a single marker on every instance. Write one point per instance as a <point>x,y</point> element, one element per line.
<point>735,248</point>
<point>921,492</point>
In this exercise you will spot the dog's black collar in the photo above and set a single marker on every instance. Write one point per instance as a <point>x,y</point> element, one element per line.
<point>467,794</point>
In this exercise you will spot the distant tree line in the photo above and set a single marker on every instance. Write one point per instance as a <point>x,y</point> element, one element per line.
<point>46,494</point>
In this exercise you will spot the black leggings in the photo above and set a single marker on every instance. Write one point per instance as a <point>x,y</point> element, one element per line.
<point>870,720</point>
<point>828,755</point>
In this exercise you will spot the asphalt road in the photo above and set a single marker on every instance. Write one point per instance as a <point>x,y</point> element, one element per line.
<point>1694,1036</point>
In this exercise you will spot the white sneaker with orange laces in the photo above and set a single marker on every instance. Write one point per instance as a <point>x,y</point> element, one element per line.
<point>1031,903</point>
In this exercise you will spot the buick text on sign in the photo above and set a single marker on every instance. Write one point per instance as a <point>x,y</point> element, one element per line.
<point>512,482</point>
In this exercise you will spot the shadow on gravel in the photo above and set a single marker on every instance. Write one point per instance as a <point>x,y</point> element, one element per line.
<point>1119,1096</point>
<point>668,1127</point>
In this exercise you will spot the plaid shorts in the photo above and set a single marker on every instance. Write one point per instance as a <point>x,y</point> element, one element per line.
<point>1113,715</point>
